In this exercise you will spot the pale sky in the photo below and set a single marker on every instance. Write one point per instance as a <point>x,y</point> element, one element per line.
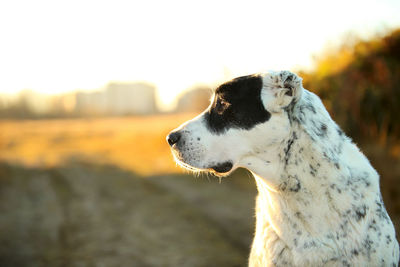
<point>59,46</point>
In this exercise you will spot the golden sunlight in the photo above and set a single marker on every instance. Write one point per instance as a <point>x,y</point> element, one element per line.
<point>54,47</point>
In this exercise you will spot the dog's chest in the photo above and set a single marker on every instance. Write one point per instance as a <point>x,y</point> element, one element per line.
<point>267,249</point>
<point>318,235</point>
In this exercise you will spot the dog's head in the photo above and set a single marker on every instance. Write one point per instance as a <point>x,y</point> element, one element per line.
<point>246,115</point>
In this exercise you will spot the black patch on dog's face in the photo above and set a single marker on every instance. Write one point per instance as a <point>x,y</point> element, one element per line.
<point>237,104</point>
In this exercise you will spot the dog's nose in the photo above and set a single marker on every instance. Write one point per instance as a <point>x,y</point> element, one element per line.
<point>173,138</point>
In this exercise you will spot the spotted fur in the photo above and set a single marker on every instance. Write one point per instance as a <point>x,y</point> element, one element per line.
<point>319,202</point>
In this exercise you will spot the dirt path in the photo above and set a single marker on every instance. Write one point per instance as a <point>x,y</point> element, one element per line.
<point>87,215</point>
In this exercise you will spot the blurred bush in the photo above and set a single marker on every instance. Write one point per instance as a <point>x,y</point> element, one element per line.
<point>360,85</point>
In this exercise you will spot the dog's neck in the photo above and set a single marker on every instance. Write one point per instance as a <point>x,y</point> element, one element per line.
<point>302,184</point>
<point>289,216</point>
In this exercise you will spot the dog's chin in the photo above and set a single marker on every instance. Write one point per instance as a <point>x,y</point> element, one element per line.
<point>221,169</point>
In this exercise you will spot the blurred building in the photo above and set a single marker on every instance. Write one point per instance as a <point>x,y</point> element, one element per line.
<point>114,99</point>
<point>118,99</point>
<point>91,103</point>
<point>131,98</point>
<point>35,102</point>
<point>194,100</point>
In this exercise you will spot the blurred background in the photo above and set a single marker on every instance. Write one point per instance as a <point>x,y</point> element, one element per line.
<point>90,89</point>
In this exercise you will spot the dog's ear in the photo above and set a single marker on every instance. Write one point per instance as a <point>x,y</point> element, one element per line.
<point>280,89</point>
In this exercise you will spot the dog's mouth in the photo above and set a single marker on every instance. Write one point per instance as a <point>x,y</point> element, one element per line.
<point>222,167</point>
<point>191,162</point>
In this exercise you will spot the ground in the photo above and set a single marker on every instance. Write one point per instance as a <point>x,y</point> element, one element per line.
<point>90,215</point>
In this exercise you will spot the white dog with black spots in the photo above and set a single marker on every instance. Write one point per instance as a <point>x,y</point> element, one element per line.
<point>319,202</point>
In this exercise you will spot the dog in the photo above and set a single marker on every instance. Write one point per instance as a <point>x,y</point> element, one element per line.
<point>319,202</point>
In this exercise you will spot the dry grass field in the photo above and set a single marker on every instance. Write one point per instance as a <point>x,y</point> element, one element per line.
<point>132,143</point>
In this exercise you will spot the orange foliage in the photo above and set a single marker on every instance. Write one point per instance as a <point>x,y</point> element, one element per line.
<point>359,85</point>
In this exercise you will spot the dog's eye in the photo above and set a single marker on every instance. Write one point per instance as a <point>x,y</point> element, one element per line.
<point>222,102</point>
<point>221,105</point>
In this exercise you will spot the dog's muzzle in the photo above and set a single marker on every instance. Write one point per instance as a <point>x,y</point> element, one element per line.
<point>177,143</point>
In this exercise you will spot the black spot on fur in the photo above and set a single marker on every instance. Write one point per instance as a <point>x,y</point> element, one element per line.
<point>388,239</point>
<point>287,149</point>
<point>323,127</point>
<point>373,225</point>
<point>368,244</point>
<point>296,187</point>
<point>313,170</point>
<point>311,108</point>
<point>346,263</point>
<point>320,129</point>
<point>361,212</point>
<point>381,210</point>
<point>291,184</point>
<point>310,244</point>
<point>237,104</point>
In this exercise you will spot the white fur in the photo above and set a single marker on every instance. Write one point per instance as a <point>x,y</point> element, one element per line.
<point>319,202</point>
